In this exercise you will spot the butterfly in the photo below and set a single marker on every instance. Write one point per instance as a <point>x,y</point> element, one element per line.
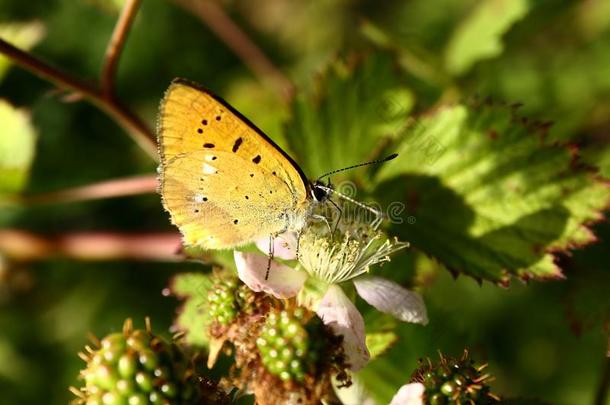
<point>223,181</point>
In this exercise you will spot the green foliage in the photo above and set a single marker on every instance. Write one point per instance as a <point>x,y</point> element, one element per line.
<point>359,102</point>
<point>193,316</point>
<point>490,204</point>
<point>479,36</point>
<point>513,198</point>
<point>379,342</point>
<point>22,35</point>
<point>17,146</point>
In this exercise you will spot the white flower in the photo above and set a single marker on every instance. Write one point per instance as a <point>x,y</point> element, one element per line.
<point>409,394</point>
<point>326,261</point>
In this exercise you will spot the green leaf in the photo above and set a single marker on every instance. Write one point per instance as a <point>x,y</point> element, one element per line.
<point>22,35</point>
<point>17,145</point>
<point>356,105</point>
<point>486,195</point>
<point>479,35</point>
<point>193,318</point>
<point>379,342</point>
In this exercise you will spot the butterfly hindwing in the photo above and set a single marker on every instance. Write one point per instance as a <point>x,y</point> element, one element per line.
<point>222,180</point>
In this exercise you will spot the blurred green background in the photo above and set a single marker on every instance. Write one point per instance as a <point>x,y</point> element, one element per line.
<point>542,339</point>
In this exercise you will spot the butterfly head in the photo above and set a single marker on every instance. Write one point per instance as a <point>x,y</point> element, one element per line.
<point>320,191</point>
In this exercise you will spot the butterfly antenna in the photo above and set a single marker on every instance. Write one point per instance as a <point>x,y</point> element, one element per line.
<point>330,190</point>
<point>372,162</point>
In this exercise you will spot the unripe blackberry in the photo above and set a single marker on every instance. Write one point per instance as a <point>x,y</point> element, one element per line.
<point>454,381</point>
<point>289,344</point>
<point>136,367</point>
<point>226,299</point>
<point>222,304</point>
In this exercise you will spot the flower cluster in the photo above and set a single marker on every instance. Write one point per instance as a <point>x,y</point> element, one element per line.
<point>326,263</point>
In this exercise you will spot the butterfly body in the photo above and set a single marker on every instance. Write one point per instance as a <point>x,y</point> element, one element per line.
<point>223,181</point>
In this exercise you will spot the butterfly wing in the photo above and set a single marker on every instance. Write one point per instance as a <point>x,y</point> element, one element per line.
<point>223,181</point>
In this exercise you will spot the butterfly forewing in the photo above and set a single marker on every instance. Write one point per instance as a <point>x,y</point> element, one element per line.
<point>222,180</point>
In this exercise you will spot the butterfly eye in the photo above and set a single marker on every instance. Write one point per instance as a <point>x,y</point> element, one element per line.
<point>318,193</point>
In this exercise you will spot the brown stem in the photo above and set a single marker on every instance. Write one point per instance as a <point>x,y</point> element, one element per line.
<point>21,245</point>
<point>132,124</point>
<point>129,186</point>
<point>115,46</point>
<point>602,391</point>
<point>238,41</point>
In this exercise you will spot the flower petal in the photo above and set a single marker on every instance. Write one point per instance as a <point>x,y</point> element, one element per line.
<point>391,298</point>
<point>410,394</point>
<point>354,394</point>
<point>340,314</point>
<point>284,246</point>
<point>283,281</point>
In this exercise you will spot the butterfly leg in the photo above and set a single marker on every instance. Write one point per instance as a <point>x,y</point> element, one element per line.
<point>322,218</point>
<point>299,233</point>
<point>270,257</point>
<point>338,219</point>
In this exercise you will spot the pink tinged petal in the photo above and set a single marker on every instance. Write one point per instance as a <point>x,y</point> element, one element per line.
<point>391,298</point>
<point>284,246</point>
<point>340,314</point>
<point>283,281</point>
<point>410,394</point>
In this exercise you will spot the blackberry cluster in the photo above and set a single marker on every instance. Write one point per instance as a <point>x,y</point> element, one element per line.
<point>226,299</point>
<point>455,381</point>
<point>135,367</point>
<point>222,303</point>
<point>290,345</point>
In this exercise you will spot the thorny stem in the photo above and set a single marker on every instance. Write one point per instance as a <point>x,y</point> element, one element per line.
<point>105,189</point>
<point>115,46</point>
<point>141,134</point>
<point>238,41</point>
<point>22,245</point>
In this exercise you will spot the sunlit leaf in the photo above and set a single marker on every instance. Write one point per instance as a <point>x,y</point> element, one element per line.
<point>479,36</point>
<point>193,318</point>
<point>379,342</point>
<point>17,147</point>
<point>262,107</point>
<point>357,105</point>
<point>486,195</point>
<point>22,35</point>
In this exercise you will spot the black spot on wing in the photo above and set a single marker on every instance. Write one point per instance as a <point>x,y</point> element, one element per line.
<point>257,159</point>
<point>235,221</point>
<point>208,145</point>
<point>199,130</point>
<point>204,122</point>
<point>237,144</point>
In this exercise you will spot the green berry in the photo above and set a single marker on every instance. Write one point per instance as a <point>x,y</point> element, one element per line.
<point>284,344</point>
<point>448,388</point>
<point>136,368</point>
<point>225,300</point>
<point>454,381</point>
